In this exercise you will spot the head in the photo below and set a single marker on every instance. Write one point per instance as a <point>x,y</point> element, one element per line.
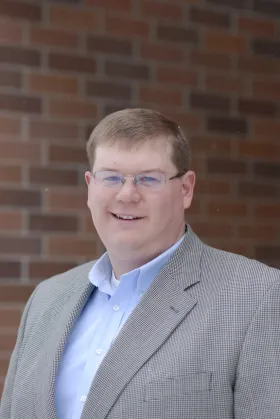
<point>132,142</point>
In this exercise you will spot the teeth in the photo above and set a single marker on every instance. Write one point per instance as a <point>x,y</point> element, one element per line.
<point>126,217</point>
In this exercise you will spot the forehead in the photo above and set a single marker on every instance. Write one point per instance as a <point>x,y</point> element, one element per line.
<point>147,156</point>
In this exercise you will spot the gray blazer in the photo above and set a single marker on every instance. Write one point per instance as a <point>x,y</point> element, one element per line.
<point>204,342</point>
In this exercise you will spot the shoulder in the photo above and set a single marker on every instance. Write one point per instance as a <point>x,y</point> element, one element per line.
<point>63,284</point>
<point>239,271</point>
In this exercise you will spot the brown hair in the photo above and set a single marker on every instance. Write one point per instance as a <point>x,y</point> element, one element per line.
<point>132,127</point>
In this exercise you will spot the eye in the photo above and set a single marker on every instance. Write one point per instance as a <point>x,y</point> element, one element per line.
<point>112,178</point>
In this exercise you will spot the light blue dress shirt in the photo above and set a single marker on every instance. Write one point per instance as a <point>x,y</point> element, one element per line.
<point>98,325</point>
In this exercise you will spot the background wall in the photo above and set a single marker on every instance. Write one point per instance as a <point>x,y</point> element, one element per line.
<point>212,65</point>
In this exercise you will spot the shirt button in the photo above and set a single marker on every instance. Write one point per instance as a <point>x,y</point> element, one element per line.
<point>116,307</point>
<point>99,351</point>
<point>83,398</point>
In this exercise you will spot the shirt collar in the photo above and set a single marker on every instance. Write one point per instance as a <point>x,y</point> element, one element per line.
<point>101,273</point>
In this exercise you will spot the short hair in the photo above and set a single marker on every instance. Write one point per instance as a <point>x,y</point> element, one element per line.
<point>133,127</point>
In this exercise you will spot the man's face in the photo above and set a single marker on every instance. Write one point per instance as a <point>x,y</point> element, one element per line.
<point>160,212</point>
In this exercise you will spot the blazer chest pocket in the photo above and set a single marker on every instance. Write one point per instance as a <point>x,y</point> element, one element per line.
<point>178,386</point>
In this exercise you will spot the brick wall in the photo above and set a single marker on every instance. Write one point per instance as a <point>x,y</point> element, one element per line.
<point>213,65</point>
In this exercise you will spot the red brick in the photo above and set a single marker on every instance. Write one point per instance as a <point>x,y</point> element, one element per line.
<point>226,166</point>
<point>163,10</point>
<point>20,103</point>
<point>213,61</point>
<point>224,43</point>
<point>232,125</point>
<point>256,65</point>
<point>20,245</point>
<point>87,225</point>
<point>109,45</point>
<point>19,10</point>
<point>121,5</point>
<point>109,90</point>
<point>270,90</point>
<point>153,95</point>
<point>15,293</point>
<point>267,128</point>
<point>209,17</point>
<point>262,150</point>
<point>10,317</point>
<point>208,144</point>
<point>175,75</point>
<point>60,154</point>
<point>235,4</point>
<point>257,232</point>
<point>266,47</point>
<point>7,341</point>
<point>127,27</point>
<point>46,83</point>
<point>225,84</point>
<point>20,198</point>
<point>9,125</point>
<point>9,270</point>
<point>74,18</point>
<point>67,201</point>
<point>76,63</point>
<point>267,7</point>
<point>254,189</point>
<point>9,174</point>
<point>11,32</point>
<point>128,71</point>
<point>10,78</point>
<point>223,209</point>
<point>187,120</point>
<point>267,170</point>
<point>257,26</point>
<point>47,176</point>
<point>45,129</point>
<point>53,37</point>
<point>211,187</point>
<point>207,101</point>
<point>257,107</point>
<point>48,268</point>
<point>75,109</point>
<point>51,223</point>
<point>176,34</point>
<point>20,151</point>
<point>71,246</point>
<point>10,220</point>
<point>204,229</point>
<point>161,53</point>
<point>22,56</point>
<point>268,211</point>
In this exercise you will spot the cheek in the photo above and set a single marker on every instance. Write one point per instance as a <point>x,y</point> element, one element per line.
<point>96,201</point>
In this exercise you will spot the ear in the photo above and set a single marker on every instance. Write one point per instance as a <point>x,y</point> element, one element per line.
<point>88,177</point>
<point>188,183</point>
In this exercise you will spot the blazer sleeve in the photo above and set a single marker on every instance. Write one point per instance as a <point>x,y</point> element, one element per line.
<point>257,387</point>
<point>7,395</point>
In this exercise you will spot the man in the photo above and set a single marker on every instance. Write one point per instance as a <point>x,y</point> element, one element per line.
<point>161,326</point>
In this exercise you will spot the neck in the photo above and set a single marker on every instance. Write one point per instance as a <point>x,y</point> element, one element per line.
<point>126,261</point>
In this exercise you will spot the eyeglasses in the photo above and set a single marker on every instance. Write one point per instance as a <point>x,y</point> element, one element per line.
<point>149,180</point>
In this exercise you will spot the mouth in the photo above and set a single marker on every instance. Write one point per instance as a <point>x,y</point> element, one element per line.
<point>126,218</point>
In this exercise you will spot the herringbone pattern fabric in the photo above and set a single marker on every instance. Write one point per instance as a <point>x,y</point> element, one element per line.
<point>203,343</point>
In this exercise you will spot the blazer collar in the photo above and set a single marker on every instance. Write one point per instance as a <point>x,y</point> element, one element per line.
<point>161,310</point>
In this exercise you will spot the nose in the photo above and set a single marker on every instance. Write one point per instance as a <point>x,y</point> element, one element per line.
<point>128,192</point>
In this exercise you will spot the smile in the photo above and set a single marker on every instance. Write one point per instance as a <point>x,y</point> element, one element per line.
<point>126,217</point>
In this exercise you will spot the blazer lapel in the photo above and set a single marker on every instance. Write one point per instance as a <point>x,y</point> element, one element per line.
<point>64,315</point>
<point>160,311</point>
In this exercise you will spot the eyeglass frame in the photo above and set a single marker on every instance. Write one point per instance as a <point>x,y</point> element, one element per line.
<point>125,176</point>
